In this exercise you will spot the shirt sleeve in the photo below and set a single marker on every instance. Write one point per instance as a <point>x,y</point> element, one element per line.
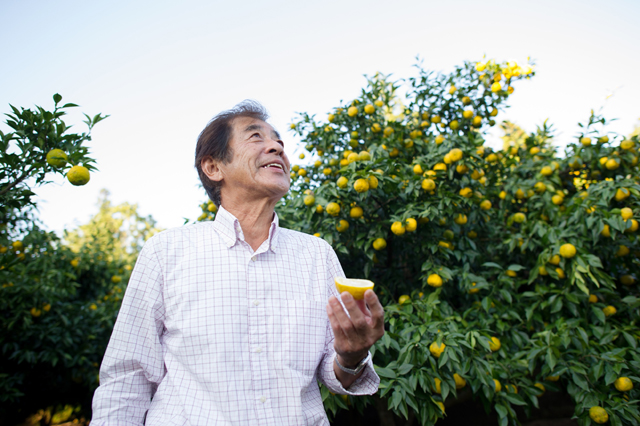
<point>367,383</point>
<point>133,364</point>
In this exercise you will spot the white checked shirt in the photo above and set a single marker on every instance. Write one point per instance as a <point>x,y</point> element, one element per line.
<point>212,333</point>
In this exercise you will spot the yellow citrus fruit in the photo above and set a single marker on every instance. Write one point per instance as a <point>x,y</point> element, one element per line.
<point>397,228</point>
<point>633,227</point>
<point>361,185</point>
<point>498,385</point>
<point>462,169</point>
<point>546,171</point>
<point>557,199</point>
<point>35,312</point>
<point>440,405</point>
<point>373,182</point>
<point>436,350</point>
<point>626,144</point>
<point>511,273</point>
<point>455,154</point>
<point>439,139</point>
<point>512,388</point>
<point>333,209</point>
<point>492,158</point>
<point>319,209</point>
<point>612,164</point>
<point>436,119</point>
<point>621,194</point>
<point>326,171</point>
<point>494,344</point>
<point>75,263</point>
<point>302,172</point>
<point>57,158</point>
<point>603,139</point>
<point>493,112</point>
<point>622,251</point>
<point>331,117</point>
<point>438,384</point>
<point>379,244</point>
<point>356,212</point>
<point>609,310</point>
<point>560,273</point>
<point>404,298</point>
<point>434,280</point>
<point>534,150</point>
<point>309,200</point>
<point>540,187</point>
<point>411,224</point>
<point>441,167</point>
<point>593,298</point>
<point>626,213</point>
<point>585,141</point>
<point>342,226</point>
<point>541,387</point>
<point>598,415</point>
<point>502,195</point>
<point>467,114</point>
<point>17,245</point>
<point>567,251</point>
<point>519,194</point>
<point>369,109</point>
<point>379,103</point>
<point>627,280</point>
<point>342,182</point>
<point>116,279</point>
<point>473,289</point>
<point>447,159</point>
<point>543,271</point>
<point>466,192</point>
<point>623,384</point>
<point>477,121</point>
<point>480,66</point>
<point>485,205</point>
<point>460,219</point>
<point>352,111</point>
<point>496,87</point>
<point>356,287</point>
<point>78,175</point>
<point>417,169</point>
<point>460,382</point>
<point>353,157</point>
<point>519,217</point>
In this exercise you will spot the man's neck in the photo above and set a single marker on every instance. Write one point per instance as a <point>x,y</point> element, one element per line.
<point>255,219</point>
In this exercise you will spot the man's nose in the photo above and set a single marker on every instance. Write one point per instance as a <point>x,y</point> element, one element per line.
<point>274,146</point>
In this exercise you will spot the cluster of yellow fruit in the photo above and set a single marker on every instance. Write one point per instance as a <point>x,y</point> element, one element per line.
<point>77,175</point>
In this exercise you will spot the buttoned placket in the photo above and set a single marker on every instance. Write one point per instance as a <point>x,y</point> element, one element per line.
<point>258,334</point>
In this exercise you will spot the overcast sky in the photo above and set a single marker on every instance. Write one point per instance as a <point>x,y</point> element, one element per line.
<point>162,69</point>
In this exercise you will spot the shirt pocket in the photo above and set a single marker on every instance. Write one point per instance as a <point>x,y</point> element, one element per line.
<point>303,327</point>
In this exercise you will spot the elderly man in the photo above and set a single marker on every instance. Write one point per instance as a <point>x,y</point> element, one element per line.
<point>232,322</point>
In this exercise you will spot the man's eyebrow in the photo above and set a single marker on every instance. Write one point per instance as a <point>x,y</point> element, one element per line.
<point>252,127</point>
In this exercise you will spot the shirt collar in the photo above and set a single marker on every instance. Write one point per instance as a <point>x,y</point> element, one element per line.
<point>229,229</point>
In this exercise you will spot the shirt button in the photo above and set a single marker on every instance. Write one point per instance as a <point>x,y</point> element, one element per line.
<point>263,399</point>
<point>258,349</point>
<point>253,259</point>
<point>256,303</point>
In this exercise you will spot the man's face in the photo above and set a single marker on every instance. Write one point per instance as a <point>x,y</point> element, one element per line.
<point>260,167</point>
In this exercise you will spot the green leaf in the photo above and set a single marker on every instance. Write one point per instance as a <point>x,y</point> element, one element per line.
<point>385,372</point>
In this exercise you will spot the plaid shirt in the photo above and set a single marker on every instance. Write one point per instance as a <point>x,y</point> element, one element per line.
<point>212,333</point>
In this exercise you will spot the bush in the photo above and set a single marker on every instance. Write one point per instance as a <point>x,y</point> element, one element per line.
<point>516,268</point>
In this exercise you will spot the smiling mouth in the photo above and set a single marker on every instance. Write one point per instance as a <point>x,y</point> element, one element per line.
<point>275,165</point>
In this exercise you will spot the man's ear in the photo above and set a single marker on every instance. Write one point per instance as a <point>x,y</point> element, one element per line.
<point>210,167</point>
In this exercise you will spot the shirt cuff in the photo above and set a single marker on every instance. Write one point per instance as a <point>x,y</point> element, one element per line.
<point>366,384</point>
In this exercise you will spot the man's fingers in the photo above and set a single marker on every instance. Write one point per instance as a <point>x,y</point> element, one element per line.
<point>355,312</point>
<point>343,320</point>
<point>335,324</point>
<point>377,311</point>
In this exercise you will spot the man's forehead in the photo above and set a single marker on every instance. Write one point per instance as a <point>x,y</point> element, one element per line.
<point>250,124</point>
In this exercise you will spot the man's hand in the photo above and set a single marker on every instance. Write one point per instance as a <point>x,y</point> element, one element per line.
<point>355,335</point>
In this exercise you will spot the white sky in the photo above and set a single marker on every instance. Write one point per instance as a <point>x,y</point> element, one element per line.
<point>162,69</point>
